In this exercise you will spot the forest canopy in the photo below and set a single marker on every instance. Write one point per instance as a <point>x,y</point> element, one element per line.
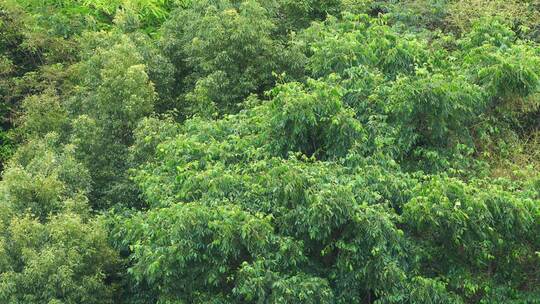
<point>269,151</point>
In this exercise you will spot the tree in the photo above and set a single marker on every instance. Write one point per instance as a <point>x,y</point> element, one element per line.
<point>113,93</point>
<point>223,51</point>
<point>51,249</point>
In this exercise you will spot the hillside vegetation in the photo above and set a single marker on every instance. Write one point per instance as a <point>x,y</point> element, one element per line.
<point>269,151</point>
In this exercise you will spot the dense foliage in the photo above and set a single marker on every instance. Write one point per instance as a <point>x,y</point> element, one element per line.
<point>269,151</point>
